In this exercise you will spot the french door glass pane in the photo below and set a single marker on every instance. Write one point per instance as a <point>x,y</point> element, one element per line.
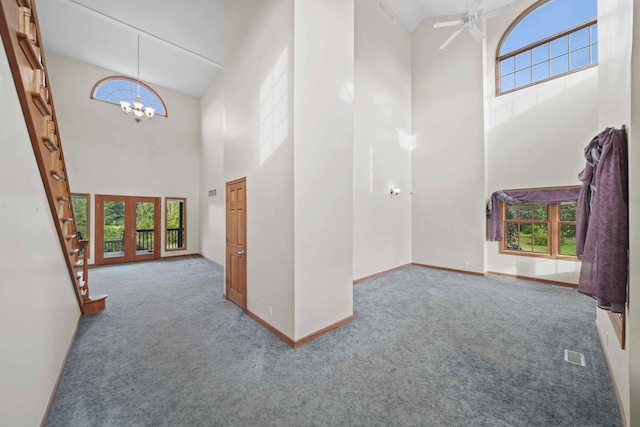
<point>145,225</point>
<point>113,229</point>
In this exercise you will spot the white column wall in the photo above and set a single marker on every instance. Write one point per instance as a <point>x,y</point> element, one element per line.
<point>258,145</point>
<point>633,335</point>
<point>39,312</point>
<point>535,138</point>
<point>109,153</point>
<point>615,107</point>
<point>323,163</point>
<point>212,208</point>
<point>615,33</point>
<point>382,141</point>
<point>448,206</point>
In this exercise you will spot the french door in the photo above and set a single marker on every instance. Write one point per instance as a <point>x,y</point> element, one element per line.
<point>127,228</point>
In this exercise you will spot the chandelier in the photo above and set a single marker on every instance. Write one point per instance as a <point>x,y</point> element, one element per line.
<point>136,109</point>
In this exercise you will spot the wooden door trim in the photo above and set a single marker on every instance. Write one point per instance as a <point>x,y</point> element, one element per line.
<point>228,184</point>
<point>237,181</point>
<point>99,227</point>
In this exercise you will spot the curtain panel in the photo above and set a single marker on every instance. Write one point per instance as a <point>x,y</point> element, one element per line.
<point>602,226</point>
<point>547,196</point>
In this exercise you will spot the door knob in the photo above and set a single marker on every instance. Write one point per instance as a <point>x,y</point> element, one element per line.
<point>241,253</point>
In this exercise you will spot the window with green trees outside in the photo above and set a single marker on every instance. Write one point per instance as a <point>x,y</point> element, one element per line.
<point>540,230</point>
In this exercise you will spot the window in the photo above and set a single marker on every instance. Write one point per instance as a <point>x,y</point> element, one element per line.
<point>539,230</point>
<point>549,40</point>
<point>80,204</point>
<point>176,220</point>
<point>116,89</point>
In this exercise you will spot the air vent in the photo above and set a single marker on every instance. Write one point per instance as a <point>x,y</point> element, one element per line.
<point>386,10</point>
<point>574,357</point>
<point>213,192</point>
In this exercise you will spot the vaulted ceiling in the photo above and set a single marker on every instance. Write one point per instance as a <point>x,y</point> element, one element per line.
<point>181,43</point>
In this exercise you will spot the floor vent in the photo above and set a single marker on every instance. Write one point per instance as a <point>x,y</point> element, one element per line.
<point>574,357</point>
<point>386,10</point>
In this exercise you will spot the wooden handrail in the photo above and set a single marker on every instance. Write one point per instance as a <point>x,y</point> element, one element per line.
<point>20,33</point>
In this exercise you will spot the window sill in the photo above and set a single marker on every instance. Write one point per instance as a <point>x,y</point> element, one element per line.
<point>538,255</point>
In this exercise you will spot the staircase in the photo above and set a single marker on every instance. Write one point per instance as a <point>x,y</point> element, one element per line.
<point>21,37</point>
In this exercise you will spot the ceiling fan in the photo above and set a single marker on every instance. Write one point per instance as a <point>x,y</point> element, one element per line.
<point>469,19</point>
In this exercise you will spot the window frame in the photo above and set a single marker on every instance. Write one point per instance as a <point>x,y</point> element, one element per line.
<point>553,234</point>
<point>147,87</point>
<point>166,223</point>
<point>531,46</point>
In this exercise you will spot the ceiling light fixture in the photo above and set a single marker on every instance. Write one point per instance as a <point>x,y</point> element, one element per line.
<point>137,109</point>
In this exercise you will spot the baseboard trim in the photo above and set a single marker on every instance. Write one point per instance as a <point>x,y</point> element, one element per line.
<point>181,256</point>
<point>93,264</point>
<point>57,384</point>
<point>453,270</point>
<point>313,336</point>
<point>301,341</point>
<point>371,276</point>
<point>533,279</point>
<point>277,332</point>
<point>613,378</point>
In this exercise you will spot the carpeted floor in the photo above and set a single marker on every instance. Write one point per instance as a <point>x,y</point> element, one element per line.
<point>426,348</point>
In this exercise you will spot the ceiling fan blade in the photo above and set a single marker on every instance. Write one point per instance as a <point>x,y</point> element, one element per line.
<point>450,39</point>
<point>476,33</point>
<point>447,24</point>
<point>475,6</point>
<point>495,12</point>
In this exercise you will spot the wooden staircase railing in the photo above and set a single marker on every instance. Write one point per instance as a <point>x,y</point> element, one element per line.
<point>21,38</point>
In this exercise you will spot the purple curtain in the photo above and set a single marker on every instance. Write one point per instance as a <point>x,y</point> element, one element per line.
<point>548,196</point>
<point>602,239</point>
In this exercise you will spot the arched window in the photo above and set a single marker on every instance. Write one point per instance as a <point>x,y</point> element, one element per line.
<point>116,89</point>
<point>550,39</point>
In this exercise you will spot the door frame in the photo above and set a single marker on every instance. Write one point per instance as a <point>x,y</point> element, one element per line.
<point>129,245</point>
<point>243,303</point>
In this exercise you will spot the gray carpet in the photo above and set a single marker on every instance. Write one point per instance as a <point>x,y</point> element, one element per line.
<point>426,348</point>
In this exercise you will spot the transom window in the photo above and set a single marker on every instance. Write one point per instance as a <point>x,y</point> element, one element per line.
<point>549,40</point>
<point>540,230</point>
<point>116,89</point>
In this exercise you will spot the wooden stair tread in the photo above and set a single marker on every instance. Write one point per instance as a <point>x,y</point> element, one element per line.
<point>30,51</point>
<point>94,304</point>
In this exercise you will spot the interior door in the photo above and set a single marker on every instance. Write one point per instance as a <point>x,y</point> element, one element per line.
<point>127,228</point>
<point>236,260</point>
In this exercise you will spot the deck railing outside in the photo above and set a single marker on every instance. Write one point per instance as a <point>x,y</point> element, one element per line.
<point>144,242</point>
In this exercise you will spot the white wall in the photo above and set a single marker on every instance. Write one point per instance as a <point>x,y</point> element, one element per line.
<point>108,153</point>
<point>535,138</point>
<point>323,163</point>
<point>615,21</point>
<point>382,141</point>
<point>448,161</point>
<point>633,336</point>
<point>212,208</point>
<point>258,145</point>
<point>38,308</point>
